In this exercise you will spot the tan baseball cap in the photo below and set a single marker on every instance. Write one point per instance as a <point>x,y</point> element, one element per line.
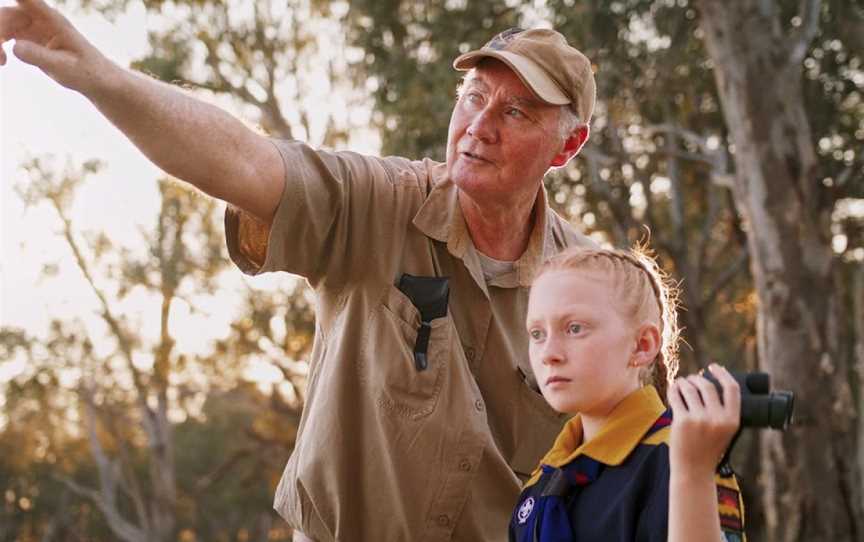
<point>556,73</point>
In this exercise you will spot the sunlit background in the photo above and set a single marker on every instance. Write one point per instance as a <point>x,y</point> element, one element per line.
<point>38,276</point>
<point>659,157</point>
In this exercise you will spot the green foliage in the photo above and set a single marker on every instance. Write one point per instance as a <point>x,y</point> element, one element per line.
<point>409,47</point>
<point>657,156</point>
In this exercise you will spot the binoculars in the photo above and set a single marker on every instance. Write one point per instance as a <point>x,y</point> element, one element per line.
<point>760,407</point>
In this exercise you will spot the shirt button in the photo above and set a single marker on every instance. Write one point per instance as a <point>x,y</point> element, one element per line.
<point>443,520</point>
<point>478,404</point>
<point>469,353</point>
<point>465,465</point>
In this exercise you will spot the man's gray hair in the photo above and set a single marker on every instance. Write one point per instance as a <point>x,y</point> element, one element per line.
<point>567,122</point>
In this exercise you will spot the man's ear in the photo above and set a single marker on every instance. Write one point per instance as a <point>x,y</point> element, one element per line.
<point>648,340</point>
<point>572,146</point>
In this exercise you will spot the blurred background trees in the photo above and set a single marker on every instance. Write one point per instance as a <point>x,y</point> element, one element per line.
<point>732,132</point>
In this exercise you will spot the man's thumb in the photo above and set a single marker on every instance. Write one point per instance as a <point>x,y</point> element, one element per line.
<point>36,55</point>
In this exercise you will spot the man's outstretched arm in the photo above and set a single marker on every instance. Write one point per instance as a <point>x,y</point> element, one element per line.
<point>189,139</point>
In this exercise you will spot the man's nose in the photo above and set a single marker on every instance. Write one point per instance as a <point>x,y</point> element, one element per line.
<point>483,126</point>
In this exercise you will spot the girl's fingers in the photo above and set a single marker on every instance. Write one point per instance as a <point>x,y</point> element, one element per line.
<point>731,389</point>
<point>690,395</point>
<point>709,393</point>
<point>673,396</point>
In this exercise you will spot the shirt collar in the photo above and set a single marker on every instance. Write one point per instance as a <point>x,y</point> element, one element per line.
<point>619,436</point>
<point>440,217</point>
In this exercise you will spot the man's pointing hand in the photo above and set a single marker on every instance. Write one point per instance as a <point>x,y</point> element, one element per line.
<point>47,40</point>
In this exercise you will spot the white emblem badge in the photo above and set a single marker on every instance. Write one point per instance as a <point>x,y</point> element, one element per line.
<point>525,510</point>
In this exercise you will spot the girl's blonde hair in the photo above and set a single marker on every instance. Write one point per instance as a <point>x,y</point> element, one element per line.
<point>645,291</point>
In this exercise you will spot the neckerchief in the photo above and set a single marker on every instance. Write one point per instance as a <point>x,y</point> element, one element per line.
<point>550,520</point>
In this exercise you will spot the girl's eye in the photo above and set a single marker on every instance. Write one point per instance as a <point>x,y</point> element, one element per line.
<point>535,334</point>
<point>574,329</point>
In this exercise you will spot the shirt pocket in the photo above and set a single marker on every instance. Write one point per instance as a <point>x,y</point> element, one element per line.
<point>538,425</point>
<point>388,358</point>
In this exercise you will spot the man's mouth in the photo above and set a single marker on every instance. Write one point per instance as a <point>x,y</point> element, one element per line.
<point>476,157</point>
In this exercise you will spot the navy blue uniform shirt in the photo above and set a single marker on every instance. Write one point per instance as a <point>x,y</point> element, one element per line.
<point>615,487</point>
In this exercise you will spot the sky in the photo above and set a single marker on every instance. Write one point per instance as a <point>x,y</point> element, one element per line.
<point>39,118</point>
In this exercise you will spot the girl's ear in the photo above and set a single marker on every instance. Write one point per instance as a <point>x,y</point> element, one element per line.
<point>647,346</point>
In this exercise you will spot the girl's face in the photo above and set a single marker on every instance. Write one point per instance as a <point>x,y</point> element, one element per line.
<point>581,346</point>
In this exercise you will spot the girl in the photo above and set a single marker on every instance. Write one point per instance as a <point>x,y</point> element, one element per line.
<point>603,344</point>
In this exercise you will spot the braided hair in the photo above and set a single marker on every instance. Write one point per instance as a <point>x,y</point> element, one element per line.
<point>645,292</point>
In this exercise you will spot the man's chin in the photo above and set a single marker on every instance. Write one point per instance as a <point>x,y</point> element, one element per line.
<point>467,176</point>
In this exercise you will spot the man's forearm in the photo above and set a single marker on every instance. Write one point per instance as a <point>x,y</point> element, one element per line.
<point>192,140</point>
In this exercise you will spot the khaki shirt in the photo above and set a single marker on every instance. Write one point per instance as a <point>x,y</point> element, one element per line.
<point>384,451</point>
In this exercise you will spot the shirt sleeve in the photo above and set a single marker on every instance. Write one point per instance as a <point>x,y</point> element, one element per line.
<point>337,209</point>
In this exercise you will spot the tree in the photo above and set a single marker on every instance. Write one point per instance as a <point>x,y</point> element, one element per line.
<point>649,162</point>
<point>787,196</point>
<point>663,153</point>
<point>135,399</point>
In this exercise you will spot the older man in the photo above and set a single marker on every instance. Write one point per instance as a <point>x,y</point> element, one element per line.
<point>422,413</point>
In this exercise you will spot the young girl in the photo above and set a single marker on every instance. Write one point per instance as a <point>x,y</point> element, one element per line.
<point>603,344</point>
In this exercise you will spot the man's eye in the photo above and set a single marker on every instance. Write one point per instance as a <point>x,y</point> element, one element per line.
<point>574,329</point>
<point>515,113</point>
<point>473,97</point>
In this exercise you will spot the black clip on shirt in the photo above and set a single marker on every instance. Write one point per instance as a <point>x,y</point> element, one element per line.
<point>430,295</point>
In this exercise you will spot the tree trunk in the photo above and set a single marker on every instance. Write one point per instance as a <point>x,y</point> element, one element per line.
<point>858,319</point>
<point>811,477</point>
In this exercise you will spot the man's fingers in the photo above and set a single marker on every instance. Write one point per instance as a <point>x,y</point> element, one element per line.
<point>37,6</point>
<point>12,21</point>
<point>36,55</point>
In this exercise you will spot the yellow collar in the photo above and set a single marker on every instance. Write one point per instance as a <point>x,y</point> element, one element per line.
<point>622,432</point>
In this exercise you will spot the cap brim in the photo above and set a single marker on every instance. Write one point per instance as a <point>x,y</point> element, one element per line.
<point>543,86</point>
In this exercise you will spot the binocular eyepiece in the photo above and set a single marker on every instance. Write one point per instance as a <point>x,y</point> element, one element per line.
<point>760,407</point>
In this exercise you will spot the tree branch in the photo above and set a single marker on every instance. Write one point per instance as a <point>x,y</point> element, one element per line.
<point>799,40</point>
<point>122,528</point>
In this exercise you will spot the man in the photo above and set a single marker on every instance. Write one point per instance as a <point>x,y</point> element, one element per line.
<point>422,413</point>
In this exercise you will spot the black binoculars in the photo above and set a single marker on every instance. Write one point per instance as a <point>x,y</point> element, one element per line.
<point>760,407</point>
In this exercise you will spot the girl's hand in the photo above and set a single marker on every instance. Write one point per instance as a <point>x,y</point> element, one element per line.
<point>702,424</point>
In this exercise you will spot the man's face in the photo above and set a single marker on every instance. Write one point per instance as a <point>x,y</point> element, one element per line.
<point>502,139</point>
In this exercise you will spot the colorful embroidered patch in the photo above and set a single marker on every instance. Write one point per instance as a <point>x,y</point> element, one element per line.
<point>525,510</point>
<point>730,510</point>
